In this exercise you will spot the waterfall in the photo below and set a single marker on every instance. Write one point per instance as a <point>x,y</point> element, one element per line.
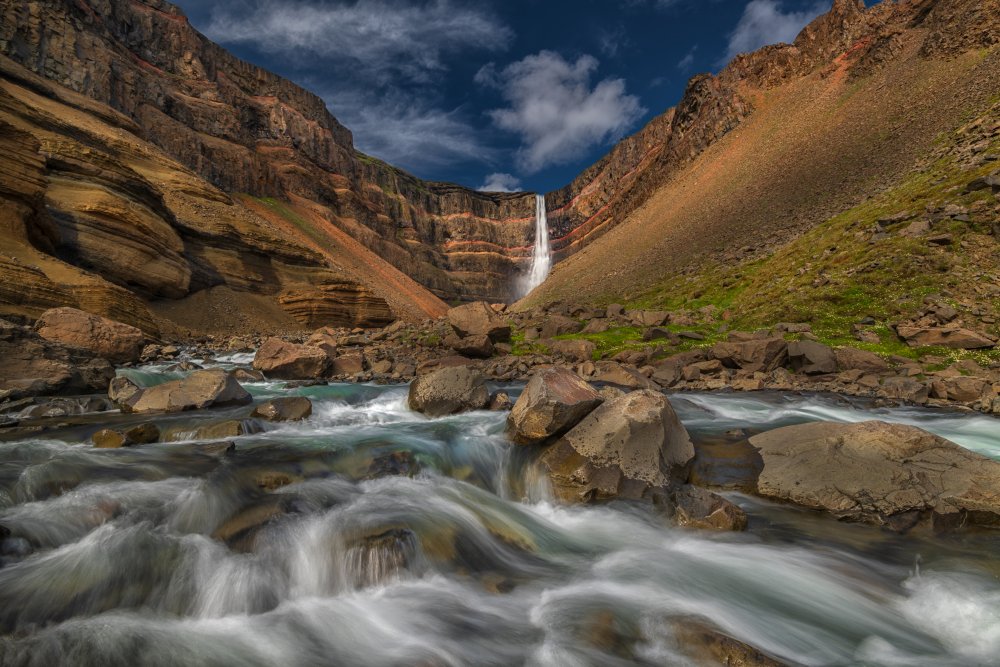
<point>541,260</point>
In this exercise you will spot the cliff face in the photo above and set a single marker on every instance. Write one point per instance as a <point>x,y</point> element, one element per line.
<point>246,130</point>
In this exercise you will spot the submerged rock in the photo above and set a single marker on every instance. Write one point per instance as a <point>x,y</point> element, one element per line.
<point>633,447</point>
<point>141,434</point>
<point>698,508</point>
<point>285,408</point>
<point>447,391</point>
<point>708,646</point>
<point>553,402</point>
<point>891,475</point>
<point>201,389</point>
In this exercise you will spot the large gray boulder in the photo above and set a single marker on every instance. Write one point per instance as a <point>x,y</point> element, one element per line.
<point>887,474</point>
<point>201,389</point>
<point>478,318</point>
<point>448,391</point>
<point>633,447</point>
<point>553,402</point>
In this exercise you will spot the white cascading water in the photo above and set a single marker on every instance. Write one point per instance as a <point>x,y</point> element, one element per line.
<point>541,260</point>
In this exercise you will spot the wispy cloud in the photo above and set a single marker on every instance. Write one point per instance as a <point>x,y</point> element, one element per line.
<point>765,22</point>
<point>390,59</point>
<point>407,132</point>
<point>501,183</point>
<point>554,109</point>
<point>384,38</point>
<point>684,64</point>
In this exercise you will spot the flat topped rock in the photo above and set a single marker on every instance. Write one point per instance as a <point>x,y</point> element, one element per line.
<point>201,389</point>
<point>887,474</point>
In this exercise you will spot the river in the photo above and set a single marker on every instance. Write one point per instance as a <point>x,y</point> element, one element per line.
<point>371,535</point>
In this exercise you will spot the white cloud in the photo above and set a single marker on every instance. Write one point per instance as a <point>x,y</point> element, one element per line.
<point>501,183</point>
<point>685,63</point>
<point>384,38</point>
<point>408,133</point>
<point>765,22</point>
<point>554,109</point>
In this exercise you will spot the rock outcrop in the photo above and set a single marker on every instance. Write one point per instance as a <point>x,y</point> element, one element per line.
<point>890,475</point>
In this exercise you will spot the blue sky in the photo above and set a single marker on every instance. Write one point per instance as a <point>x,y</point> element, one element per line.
<point>515,94</point>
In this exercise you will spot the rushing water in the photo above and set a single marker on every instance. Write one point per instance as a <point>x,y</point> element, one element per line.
<point>541,257</point>
<point>134,557</point>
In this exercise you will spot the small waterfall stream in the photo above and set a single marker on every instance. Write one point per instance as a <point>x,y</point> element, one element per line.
<point>541,258</point>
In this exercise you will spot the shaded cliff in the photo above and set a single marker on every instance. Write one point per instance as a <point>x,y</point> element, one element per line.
<point>246,130</point>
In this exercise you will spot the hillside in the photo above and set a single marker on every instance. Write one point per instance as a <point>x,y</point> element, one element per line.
<point>778,218</point>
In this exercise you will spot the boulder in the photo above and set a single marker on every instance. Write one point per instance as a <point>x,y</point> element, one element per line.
<point>118,343</point>
<point>289,361</point>
<point>201,389</point>
<point>350,363</point>
<point>613,372</point>
<point>500,402</point>
<point>953,337</point>
<point>478,318</point>
<point>33,366</point>
<point>324,339</point>
<point>849,358</point>
<point>633,448</point>
<point>554,401</point>
<point>963,389</point>
<point>698,508</point>
<point>891,475</point>
<point>811,358</point>
<point>906,389</point>
<point>246,375</point>
<point>558,325</point>
<point>284,409</point>
<point>142,434</point>
<point>762,355</point>
<point>649,318</point>
<point>123,392</point>
<point>478,346</point>
<point>231,428</point>
<point>448,391</point>
<point>107,438</point>
<point>574,350</point>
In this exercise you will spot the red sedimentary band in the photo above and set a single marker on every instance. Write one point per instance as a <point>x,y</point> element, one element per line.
<point>177,18</point>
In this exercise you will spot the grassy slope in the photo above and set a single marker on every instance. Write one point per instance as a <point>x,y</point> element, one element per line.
<point>835,274</point>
